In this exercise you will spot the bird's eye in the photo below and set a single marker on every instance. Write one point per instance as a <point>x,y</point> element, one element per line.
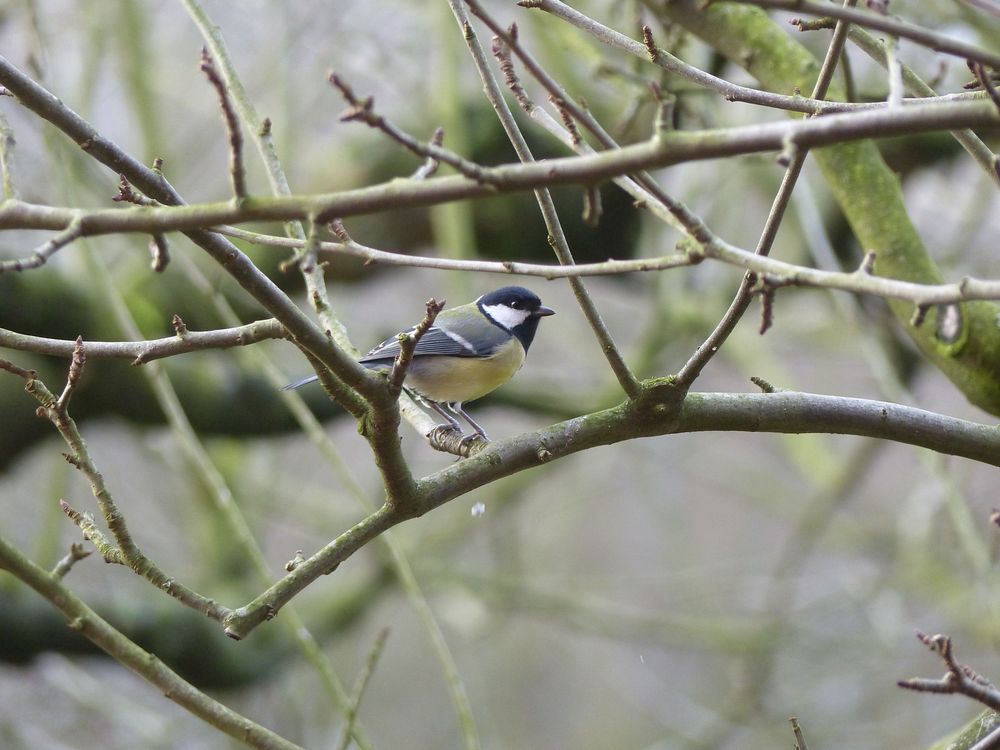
<point>515,304</point>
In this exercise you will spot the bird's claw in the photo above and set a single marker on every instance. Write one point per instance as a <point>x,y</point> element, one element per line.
<point>474,437</point>
<point>442,431</point>
<point>448,438</point>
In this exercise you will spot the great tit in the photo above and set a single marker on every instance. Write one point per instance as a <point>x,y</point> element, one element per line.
<point>468,352</point>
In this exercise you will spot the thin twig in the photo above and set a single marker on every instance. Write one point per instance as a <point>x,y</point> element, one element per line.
<point>644,198</point>
<point>967,138</point>
<point>800,740</point>
<point>431,163</point>
<point>741,301</point>
<point>557,238</point>
<point>75,554</point>
<point>39,257</point>
<point>922,93</point>
<point>110,552</point>
<point>647,50</point>
<point>78,361</point>
<point>9,190</point>
<point>960,678</point>
<point>236,169</point>
<point>92,626</point>
<point>128,552</point>
<point>408,345</point>
<point>374,256</point>
<point>128,194</point>
<point>305,333</point>
<point>895,71</point>
<point>13,369</point>
<point>986,82</point>
<point>889,25</point>
<point>364,676</point>
<point>643,187</point>
<point>675,148</point>
<point>363,110</point>
<point>145,351</point>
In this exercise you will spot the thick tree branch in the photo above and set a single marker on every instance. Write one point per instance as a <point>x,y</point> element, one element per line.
<point>674,147</point>
<point>656,414</point>
<point>669,148</point>
<point>658,411</point>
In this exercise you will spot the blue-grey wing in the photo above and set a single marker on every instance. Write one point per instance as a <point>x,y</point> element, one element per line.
<point>434,342</point>
<point>479,338</point>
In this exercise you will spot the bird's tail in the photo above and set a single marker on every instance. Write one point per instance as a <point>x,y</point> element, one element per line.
<point>300,383</point>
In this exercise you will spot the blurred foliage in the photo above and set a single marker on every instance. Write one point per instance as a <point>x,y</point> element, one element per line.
<point>687,591</point>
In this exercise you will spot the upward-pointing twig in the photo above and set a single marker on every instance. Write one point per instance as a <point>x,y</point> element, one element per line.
<point>557,239</point>
<point>236,169</point>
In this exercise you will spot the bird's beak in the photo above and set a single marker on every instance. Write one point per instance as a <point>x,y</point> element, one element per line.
<point>542,311</point>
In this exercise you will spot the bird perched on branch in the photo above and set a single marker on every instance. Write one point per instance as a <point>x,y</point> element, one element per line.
<point>469,351</point>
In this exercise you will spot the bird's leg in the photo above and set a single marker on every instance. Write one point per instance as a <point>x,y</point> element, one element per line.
<point>452,422</point>
<point>457,408</point>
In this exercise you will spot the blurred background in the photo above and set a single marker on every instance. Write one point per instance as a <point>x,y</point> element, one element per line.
<point>685,591</point>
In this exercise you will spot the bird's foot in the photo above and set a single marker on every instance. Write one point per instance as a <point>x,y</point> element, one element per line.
<point>449,439</point>
<point>475,437</point>
<point>444,432</point>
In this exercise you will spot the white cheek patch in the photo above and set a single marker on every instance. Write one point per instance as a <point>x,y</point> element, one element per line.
<point>506,316</point>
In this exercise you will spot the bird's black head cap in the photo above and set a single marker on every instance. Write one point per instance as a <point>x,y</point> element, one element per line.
<point>516,309</point>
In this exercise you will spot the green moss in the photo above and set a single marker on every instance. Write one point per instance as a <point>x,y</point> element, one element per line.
<point>867,190</point>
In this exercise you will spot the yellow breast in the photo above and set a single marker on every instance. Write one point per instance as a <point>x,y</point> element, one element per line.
<point>449,379</point>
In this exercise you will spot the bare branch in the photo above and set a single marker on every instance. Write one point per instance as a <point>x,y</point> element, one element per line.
<point>38,258</point>
<point>972,143</point>
<point>92,626</point>
<point>13,369</point>
<point>9,190</point>
<point>78,361</point>
<point>647,50</point>
<point>145,351</point>
<point>673,148</point>
<point>793,168</point>
<point>889,25</point>
<point>986,82</point>
<point>787,274</point>
<point>75,554</point>
<point>557,238</point>
<point>304,332</point>
<point>124,550</point>
<point>408,345</point>
<point>660,411</point>
<point>960,679</point>
<point>431,163</point>
<point>363,110</point>
<point>236,169</point>
<point>800,740</point>
<point>374,653</point>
